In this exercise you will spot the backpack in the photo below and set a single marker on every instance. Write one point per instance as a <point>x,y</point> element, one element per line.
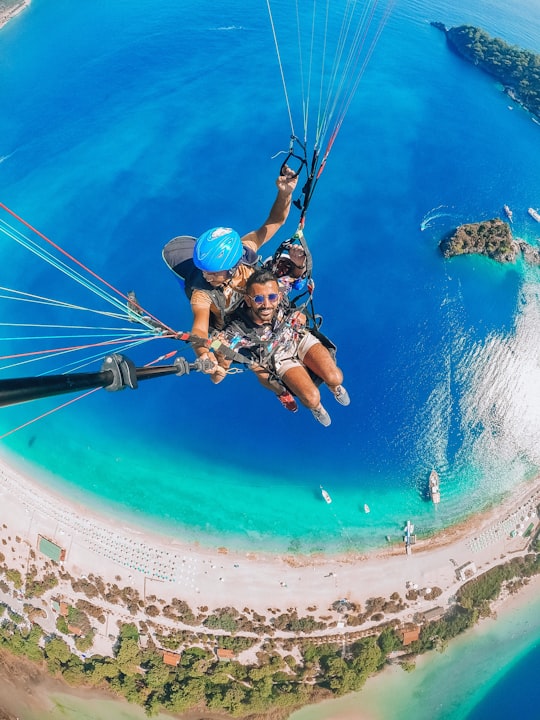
<point>178,255</point>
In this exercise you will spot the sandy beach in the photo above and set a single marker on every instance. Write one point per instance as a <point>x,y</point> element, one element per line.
<point>8,10</point>
<point>168,567</point>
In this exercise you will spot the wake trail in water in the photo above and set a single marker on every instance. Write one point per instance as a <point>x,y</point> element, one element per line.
<point>3,158</point>
<point>432,215</point>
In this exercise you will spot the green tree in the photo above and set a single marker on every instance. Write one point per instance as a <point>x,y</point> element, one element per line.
<point>57,654</point>
<point>157,675</point>
<point>129,631</point>
<point>15,577</point>
<point>186,694</point>
<point>128,656</point>
<point>367,655</point>
<point>83,644</point>
<point>61,625</point>
<point>234,698</point>
<point>74,672</point>
<point>388,640</point>
<point>129,686</point>
<point>100,669</point>
<point>32,650</point>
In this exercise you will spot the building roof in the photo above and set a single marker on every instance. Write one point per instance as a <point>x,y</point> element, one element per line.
<point>433,614</point>
<point>466,571</point>
<point>171,658</point>
<point>411,635</point>
<point>225,654</point>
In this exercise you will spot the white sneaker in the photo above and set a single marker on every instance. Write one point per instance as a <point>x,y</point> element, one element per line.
<point>320,415</point>
<point>342,396</point>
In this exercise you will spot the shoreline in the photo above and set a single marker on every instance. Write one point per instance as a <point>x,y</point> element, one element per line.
<point>385,695</point>
<point>9,13</point>
<point>371,703</point>
<point>169,566</point>
<point>96,544</point>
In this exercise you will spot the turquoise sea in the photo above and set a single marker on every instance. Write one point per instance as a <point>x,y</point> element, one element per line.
<point>126,123</point>
<point>488,674</point>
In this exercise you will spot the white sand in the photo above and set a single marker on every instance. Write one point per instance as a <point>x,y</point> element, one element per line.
<point>168,567</point>
<point>6,14</point>
<point>111,549</point>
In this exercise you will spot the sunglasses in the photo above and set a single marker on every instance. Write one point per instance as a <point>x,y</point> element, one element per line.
<point>259,299</point>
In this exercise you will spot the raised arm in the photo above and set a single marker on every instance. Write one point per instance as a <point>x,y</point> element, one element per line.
<point>279,212</point>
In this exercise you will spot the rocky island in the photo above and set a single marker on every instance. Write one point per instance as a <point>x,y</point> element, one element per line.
<point>516,69</point>
<point>492,238</point>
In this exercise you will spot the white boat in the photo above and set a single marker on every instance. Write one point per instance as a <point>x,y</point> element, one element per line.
<point>366,508</point>
<point>409,538</point>
<point>325,495</point>
<point>534,214</point>
<point>508,212</point>
<point>434,488</point>
<point>409,529</point>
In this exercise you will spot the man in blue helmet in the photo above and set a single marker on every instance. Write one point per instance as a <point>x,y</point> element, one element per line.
<point>225,261</point>
<point>215,267</point>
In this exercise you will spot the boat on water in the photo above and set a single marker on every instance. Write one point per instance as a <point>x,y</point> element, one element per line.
<point>410,537</point>
<point>434,487</point>
<point>534,214</point>
<point>508,212</point>
<point>325,495</point>
<point>366,508</point>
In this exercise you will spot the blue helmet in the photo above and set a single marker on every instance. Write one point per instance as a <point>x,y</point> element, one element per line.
<point>218,249</point>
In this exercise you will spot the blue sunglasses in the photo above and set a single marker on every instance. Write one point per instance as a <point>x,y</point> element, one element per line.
<point>259,299</point>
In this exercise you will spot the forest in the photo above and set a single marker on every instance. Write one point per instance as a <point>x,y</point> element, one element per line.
<point>314,669</point>
<point>518,70</point>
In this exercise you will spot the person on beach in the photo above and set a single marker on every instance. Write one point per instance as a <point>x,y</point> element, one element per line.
<point>271,333</point>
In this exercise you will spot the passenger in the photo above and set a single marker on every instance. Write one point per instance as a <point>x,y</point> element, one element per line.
<point>266,329</point>
<point>289,265</point>
<point>225,261</point>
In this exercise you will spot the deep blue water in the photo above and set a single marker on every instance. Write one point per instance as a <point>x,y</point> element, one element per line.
<point>125,123</point>
<point>516,694</point>
<point>163,120</point>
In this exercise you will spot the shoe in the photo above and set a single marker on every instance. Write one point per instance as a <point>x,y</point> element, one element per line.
<point>342,396</point>
<point>320,415</point>
<point>288,402</point>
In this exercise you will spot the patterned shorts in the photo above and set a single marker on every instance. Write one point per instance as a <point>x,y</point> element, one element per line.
<point>293,357</point>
